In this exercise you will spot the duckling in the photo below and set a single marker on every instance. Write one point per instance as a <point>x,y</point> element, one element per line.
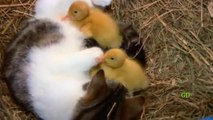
<point>96,24</point>
<point>118,66</point>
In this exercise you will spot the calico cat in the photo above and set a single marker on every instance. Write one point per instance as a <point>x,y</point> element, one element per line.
<point>46,65</point>
<point>40,35</point>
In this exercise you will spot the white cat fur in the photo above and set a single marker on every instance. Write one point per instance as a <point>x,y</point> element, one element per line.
<point>102,3</point>
<point>58,72</point>
<point>59,8</point>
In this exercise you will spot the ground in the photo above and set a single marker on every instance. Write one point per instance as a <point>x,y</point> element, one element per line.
<point>178,38</point>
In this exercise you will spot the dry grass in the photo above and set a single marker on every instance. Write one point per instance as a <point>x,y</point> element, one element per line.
<point>178,38</point>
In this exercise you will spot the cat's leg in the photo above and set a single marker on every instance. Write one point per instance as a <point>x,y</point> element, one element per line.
<point>82,60</point>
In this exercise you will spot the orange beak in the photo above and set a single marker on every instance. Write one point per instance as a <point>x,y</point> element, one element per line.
<point>65,18</point>
<point>100,59</point>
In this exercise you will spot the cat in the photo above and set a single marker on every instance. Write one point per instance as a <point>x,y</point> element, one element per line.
<point>46,62</point>
<point>46,66</point>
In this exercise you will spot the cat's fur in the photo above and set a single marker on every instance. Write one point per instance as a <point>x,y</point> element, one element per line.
<point>59,8</point>
<point>56,9</point>
<point>47,66</point>
<point>40,59</point>
<point>101,95</point>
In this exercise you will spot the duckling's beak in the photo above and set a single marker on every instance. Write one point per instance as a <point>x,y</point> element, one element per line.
<point>65,18</point>
<point>100,59</point>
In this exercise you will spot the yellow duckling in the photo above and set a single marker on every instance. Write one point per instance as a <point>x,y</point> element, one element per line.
<point>94,23</point>
<point>118,66</point>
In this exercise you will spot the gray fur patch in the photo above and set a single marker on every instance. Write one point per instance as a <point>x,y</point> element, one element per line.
<point>39,33</point>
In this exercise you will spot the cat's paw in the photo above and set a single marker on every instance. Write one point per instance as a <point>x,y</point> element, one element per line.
<point>90,57</point>
<point>102,3</point>
<point>96,52</point>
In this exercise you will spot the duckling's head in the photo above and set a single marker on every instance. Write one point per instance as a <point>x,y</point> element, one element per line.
<point>114,58</point>
<point>78,11</point>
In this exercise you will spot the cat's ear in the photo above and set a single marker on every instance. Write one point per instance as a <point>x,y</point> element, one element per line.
<point>97,84</point>
<point>132,108</point>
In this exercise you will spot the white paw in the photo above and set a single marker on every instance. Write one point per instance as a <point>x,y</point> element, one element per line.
<point>92,54</point>
<point>102,3</point>
<point>96,52</point>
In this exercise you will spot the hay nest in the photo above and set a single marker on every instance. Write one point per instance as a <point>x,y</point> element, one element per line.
<point>178,38</point>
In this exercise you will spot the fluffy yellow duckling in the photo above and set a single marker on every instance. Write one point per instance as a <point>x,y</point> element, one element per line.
<point>94,23</point>
<point>118,66</point>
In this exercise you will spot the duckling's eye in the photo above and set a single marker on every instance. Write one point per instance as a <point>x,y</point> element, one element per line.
<point>112,58</point>
<point>75,11</point>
